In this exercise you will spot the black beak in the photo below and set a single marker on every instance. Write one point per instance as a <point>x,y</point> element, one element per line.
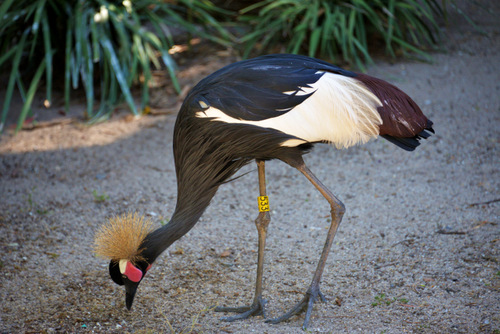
<point>130,289</point>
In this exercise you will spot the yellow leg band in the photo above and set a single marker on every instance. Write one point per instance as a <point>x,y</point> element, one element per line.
<point>263,203</point>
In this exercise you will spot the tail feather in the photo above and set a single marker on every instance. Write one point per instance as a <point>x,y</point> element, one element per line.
<point>408,144</point>
<point>411,143</point>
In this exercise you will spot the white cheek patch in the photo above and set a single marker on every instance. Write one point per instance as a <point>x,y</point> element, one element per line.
<point>341,111</point>
<point>123,265</point>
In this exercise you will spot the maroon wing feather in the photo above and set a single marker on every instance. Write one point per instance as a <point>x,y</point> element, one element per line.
<point>401,116</point>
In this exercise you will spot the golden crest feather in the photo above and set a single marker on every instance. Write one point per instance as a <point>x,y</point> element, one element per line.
<point>121,237</point>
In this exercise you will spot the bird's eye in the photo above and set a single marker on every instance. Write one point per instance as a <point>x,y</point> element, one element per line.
<point>124,276</point>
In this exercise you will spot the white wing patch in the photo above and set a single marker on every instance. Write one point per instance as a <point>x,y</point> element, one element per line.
<point>341,111</point>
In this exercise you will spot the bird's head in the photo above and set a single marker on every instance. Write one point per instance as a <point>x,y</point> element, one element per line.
<point>124,272</point>
<point>120,240</point>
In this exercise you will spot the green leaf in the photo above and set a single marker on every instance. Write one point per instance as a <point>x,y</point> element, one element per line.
<point>95,41</point>
<point>39,10</point>
<point>119,74</point>
<point>87,73</point>
<point>413,48</point>
<point>169,63</point>
<point>297,41</point>
<point>48,56</point>
<point>76,58</point>
<point>314,41</point>
<point>143,59</point>
<point>67,65</point>
<point>471,22</point>
<point>4,7</point>
<point>252,7</point>
<point>7,55</point>
<point>13,74</point>
<point>390,28</point>
<point>30,95</point>
<point>20,86</point>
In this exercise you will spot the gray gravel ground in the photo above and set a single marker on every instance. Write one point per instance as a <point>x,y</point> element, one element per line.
<point>417,251</point>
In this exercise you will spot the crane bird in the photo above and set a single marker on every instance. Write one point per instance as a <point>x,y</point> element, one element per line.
<point>269,107</point>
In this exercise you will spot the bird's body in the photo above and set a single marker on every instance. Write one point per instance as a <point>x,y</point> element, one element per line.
<point>274,107</point>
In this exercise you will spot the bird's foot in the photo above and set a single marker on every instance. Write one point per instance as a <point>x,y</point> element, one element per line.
<point>306,304</point>
<point>257,308</point>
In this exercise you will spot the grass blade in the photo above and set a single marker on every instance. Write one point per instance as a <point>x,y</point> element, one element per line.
<point>48,56</point>
<point>4,7</point>
<point>390,28</point>
<point>170,64</point>
<point>119,74</point>
<point>471,22</point>
<point>30,95</point>
<point>88,79</point>
<point>13,74</point>
<point>7,55</point>
<point>67,65</point>
<point>95,41</point>
<point>314,41</point>
<point>39,10</point>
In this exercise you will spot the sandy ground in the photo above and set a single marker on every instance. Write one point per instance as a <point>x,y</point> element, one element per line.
<point>418,249</point>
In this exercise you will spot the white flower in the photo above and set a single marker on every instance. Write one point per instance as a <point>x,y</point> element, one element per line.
<point>102,15</point>
<point>128,5</point>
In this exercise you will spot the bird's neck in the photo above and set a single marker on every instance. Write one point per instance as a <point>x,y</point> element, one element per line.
<point>181,223</point>
<point>187,213</point>
<point>203,161</point>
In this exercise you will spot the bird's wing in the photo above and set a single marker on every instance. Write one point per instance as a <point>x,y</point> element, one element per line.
<point>263,87</point>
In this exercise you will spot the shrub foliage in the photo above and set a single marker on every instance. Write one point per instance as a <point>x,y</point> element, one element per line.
<point>341,29</point>
<point>106,46</point>
<point>94,43</point>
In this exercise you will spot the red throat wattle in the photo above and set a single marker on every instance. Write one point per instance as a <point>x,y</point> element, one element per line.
<point>133,273</point>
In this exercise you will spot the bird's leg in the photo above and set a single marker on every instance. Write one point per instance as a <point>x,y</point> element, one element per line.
<point>312,294</point>
<point>262,221</point>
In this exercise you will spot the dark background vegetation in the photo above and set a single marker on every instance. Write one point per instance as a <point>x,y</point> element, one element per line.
<point>111,50</point>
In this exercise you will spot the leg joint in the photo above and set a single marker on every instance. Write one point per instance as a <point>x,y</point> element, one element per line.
<point>262,221</point>
<point>338,208</point>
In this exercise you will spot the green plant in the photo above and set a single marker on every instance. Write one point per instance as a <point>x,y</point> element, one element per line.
<point>99,198</point>
<point>53,255</point>
<point>110,44</point>
<point>330,28</point>
<point>33,206</point>
<point>380,299</point>
<point>383,299</point>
